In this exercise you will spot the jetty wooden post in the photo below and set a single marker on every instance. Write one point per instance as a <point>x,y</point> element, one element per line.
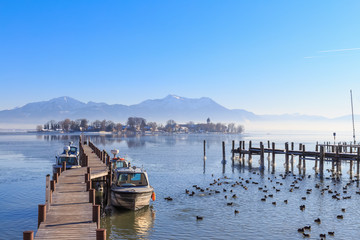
<point>86,160</point>
<point>240,144</point>
<point>322,161</point>
<point>109,183</point>
<point>87,177</point>
<point>47,192</point>
<point>292,157</point>
<point>340,166</point>
<point>300,158</point>
<point>88,170</point>
<point>316,157</point>
<point>243,156</point>
<point>63,166</point>
<point>337,161</point>
<point>286,157</point>
<point>107,159</point>
<point>92,196</point>
<point>223,150</point>
<point>88,185</point>
<point>41,214</point>
<point>351,168</point>
<point>96,215</point>
<point>28,235</point>
<point>303,157</point>
<point>101,234</point>
<point>273,158</point>
<point>56,176</point>
<point>262,166</point>
<point>52,185</point>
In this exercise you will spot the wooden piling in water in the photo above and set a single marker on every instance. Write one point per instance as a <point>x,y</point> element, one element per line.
<point>96,215</point>
<point>300,158</point>
<point>41,214</point>
<point>204,149</point>
<point>321,161</point>
<point>63,169</point>
<point>56,177</point>
<point>87,177</point>
<point>88,185</point>
<point>47,192</point>
<point>316,158</point>
<point>337,161</point>
<point>286,157</point>
<point>92,196</point>
<point>351,169</point>
<point>262,166</point>
<point>101,234</point>
<point>28,235</point>
<point>303,157</point>
<point>223,150</point>
<point>233,148</point>
<point>358,163</point>
<point>52,185</point>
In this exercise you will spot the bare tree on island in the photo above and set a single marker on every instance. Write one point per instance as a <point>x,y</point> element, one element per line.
<point>170,125</point>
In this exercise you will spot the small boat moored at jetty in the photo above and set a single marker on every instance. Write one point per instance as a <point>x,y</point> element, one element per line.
<point>70,155</point>
<point>131,188</point>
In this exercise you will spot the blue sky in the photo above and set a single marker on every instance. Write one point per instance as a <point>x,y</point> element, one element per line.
<point>268,57</point>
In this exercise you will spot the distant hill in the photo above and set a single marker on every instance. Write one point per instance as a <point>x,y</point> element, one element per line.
<point>174,107</point>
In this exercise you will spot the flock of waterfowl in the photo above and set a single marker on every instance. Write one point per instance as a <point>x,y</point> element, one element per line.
<point>269,187</point>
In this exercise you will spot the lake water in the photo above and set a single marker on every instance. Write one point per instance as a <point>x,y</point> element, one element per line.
<point>175,163</point>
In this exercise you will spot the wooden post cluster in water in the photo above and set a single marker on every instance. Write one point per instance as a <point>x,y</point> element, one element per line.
<point>323,152</point>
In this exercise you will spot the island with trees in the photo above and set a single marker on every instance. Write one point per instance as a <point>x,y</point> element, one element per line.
<point>137,125</point>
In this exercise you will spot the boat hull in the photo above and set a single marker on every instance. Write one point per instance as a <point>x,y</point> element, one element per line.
<point>132,200</point>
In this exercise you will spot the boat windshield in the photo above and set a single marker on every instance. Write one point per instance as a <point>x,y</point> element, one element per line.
<point>131,179</point>
<point>69,160</point>
<point>73,150</point>
<point>119,164</point>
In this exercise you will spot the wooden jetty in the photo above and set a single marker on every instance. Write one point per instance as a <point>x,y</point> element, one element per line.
<point>69,211</point>
<point>335,153</point>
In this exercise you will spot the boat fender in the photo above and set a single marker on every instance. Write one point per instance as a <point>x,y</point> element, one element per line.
<point>153,196</point>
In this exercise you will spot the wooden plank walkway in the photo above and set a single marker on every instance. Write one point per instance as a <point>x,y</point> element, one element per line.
<point>71,214</point>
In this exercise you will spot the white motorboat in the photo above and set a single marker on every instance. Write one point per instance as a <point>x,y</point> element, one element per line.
<point>131,188</point>
<point>70,155</point>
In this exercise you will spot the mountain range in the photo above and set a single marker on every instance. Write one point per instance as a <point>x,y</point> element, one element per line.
<point>174,107</point>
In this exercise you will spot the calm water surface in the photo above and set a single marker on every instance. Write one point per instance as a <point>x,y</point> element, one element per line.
<point>175,163</point>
